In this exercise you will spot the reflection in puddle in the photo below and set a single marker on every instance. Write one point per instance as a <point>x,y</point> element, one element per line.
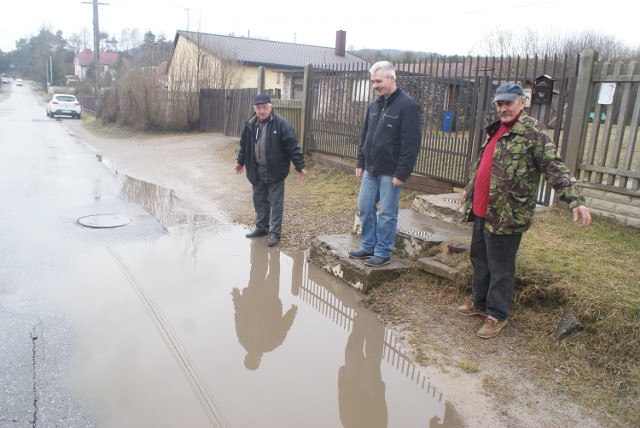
<point>255,337</point>
<point>241,335</point>
<point>159,201</point>
<point>260,324</point>
<point>361,389</point>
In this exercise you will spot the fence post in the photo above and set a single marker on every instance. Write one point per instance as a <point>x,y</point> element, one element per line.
<point>306,93</point>
<point>478,136</point>
<point>579,114</point>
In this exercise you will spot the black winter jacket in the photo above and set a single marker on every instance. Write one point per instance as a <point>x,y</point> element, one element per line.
<point>282,149</point>
<point>391,137</point>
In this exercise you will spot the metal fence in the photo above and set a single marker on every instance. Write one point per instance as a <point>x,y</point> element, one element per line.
<point>454,98</point>
<point>596,136</point>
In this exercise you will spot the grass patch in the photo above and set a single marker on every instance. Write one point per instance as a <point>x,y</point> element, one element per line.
<point>594,273</point>
<point>469,366</point>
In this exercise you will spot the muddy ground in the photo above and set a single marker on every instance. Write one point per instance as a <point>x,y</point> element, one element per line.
<point>487,382</point>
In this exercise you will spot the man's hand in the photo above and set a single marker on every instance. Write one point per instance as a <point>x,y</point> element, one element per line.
<point>397,182</point>
<point>463,197</point>
<point>582,211</point>
<point>359,172</point>
<point>239,168</point>
<point>302,174</point>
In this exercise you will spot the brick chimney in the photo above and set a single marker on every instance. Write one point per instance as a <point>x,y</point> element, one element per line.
<point>341,42</point>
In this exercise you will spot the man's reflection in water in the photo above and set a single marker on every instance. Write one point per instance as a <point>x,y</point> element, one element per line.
<point>360,386</point>
<point>260,325</point>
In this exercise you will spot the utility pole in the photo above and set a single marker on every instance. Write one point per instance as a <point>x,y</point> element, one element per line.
<point>96,54</point>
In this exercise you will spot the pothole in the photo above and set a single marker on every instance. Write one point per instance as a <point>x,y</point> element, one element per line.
<point>104,221</point>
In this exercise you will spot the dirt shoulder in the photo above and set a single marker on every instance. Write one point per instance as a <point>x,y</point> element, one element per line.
<point>486,382</point>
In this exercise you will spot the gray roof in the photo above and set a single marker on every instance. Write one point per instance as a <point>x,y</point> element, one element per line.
<point>269,53</point>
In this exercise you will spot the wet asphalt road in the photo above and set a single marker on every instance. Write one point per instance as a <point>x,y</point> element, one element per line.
<point>47,182</point>
<point>175,319</point>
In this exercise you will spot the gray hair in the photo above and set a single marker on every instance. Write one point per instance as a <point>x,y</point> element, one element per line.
<point>385,66</point>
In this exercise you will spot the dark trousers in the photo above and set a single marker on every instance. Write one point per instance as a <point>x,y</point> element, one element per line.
<point>268,201</point>
<point>494,269</point>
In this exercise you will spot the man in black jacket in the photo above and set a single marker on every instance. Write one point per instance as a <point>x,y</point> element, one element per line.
<point>268,145</point>
<point>387,153</point>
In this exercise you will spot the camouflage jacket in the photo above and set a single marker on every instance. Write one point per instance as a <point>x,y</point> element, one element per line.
<point>519,159</point>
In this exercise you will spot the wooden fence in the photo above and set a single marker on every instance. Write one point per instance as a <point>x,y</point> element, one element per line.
<point>226,111</point>
<point>604,124</point>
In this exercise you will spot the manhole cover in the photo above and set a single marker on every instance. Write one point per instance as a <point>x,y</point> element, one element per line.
<point>104,221</point>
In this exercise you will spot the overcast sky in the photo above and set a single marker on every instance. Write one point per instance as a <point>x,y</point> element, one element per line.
<point>446,27</point>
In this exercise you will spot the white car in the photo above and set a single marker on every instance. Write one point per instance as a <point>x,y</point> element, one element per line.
<point>64,104</point>
<point>18,82</point>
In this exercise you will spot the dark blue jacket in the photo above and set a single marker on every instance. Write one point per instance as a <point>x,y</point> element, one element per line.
<point>282,149</point>
<point>391,137</point>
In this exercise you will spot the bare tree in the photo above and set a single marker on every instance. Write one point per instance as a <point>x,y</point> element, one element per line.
<point>75,43</point>
<point>86,38</point>
<point>130,38</point>
<point>529,42</point>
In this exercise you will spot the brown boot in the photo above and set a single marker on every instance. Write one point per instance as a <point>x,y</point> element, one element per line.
<point>469,309</point>
<point>491,327</point>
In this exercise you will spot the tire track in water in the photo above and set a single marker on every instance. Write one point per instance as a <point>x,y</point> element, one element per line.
<point>177,349</point>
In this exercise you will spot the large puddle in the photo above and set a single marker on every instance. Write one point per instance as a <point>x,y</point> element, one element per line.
<point>204,327</point>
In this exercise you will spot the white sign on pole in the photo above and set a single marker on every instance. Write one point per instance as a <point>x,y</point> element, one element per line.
<point>606,93</point>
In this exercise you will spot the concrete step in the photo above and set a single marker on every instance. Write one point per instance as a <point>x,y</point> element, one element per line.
<point>331,252</point>
<point>418,232</point>
<point>446,207</point>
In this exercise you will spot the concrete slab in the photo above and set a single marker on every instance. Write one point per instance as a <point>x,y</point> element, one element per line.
<point>417,232</point>
<point>445,207</point>
<point>428,264</point>
<point>331,253</point>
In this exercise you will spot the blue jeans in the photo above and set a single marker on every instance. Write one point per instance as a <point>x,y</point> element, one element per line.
<point>494,269</point>
<point>378,229</point>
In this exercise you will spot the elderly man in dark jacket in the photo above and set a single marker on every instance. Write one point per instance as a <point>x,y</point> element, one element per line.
<point>268,145</point>
<point>387,153</point>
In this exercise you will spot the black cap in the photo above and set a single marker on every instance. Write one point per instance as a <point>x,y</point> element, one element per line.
<point>508,92</point>
<point>262,99</point>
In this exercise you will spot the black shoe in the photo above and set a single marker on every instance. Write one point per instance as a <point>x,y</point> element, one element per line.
<point>273,241</point>
<point>256,233</point>
<point>360,254</point>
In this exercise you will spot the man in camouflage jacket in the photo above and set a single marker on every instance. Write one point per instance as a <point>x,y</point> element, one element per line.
<point>500,199</point>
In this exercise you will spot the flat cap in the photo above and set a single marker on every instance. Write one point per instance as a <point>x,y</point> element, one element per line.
<point>508,92</point>
<point>261,99</point>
